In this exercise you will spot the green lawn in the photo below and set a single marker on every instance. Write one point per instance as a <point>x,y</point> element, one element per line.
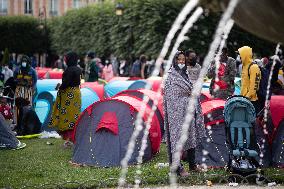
<point>39,164</point>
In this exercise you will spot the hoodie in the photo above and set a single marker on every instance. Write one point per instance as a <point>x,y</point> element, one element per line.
<point>250,81</point>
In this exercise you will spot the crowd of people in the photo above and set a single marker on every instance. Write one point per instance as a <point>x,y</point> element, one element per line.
<point>183,74</point>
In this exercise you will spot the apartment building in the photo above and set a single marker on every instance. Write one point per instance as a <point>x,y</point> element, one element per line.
<point>38,8</point>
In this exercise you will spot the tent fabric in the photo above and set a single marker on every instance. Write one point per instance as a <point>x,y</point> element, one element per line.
<point>152,96</point>
<point>119,79</point>
<point>96,87</point>
<point>278,147</point>
<point>47,85</point>
<point>115,87</point>
<point>155,130</point>
<point>216,145</point>
<point>204,96</point>
<point>262,140</point>
<point>213,111</point>
<point>104,148</point>
<point>156,84</point>
<point>43,107</point>
<point>108,121</point>
<point>138,84</point>
<point>7,138</point>
<point>46,100</point>
<point>277,109</point>
<point>53,74</point>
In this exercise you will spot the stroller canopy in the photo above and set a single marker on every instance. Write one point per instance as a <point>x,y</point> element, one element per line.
<point>239,102</point>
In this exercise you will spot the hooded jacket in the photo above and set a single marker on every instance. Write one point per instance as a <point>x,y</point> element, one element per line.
<point>250,81</point>
<point>72,75</point>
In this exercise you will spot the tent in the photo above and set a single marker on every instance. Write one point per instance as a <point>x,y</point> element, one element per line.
<point>119,79</point>
<point>46,100</point>
<point>47,85</point>
<point>115,87</point>
<point>96,87</point>
<point>215,141</point>
<point>277,115</point>
<point>54,74</point>
<point>7,138</point>
<point>103,131</point>
<point>205,96</point>
<point>152,96</point>
<point>138,84</point>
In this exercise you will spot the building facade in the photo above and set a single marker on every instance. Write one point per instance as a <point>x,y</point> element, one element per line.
<point>39,8</point>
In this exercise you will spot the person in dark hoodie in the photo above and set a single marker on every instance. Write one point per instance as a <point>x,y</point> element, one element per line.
<point>67,107</point>
<point>177,91</point>
<point>26,79</point>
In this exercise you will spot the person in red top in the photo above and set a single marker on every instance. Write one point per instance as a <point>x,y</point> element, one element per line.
<point>5,109</point>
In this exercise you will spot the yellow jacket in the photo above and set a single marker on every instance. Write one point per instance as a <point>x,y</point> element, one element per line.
<point>250,83</point>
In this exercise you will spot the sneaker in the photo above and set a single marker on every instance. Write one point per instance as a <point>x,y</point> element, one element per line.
<point>20,145</point>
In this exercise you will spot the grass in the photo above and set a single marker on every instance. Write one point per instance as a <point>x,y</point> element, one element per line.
<point>40,163</point>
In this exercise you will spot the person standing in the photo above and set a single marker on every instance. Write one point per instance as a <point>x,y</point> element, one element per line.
<point>67,106</point>
<point>193,67</point>
<point>26,79</point>
<point>177,93</point>
<point>138,68</point>
<point>91,68</point>
<point>251,76</point>
<point>108,73</point>
<point>223,86</point>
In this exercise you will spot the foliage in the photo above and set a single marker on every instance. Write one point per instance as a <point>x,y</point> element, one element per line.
<point>41,163</point>
<point>21,34</point>
<point>5,60</point>
<point>142,29</point>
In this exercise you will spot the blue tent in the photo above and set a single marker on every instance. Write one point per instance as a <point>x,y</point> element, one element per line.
<point>115,87</point>
<point>46,85</point>
<point>46,100</point>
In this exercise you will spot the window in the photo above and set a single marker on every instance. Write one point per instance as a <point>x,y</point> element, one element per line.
<point>28,7</point>
<point>53,7</point>
<point>3,7</point>
<point>76,3</point>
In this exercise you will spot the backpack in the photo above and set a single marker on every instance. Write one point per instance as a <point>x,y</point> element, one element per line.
<point>136,69</point>
<point>262,89</point>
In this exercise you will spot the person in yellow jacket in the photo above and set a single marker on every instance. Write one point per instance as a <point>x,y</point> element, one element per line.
<point>250,77</point>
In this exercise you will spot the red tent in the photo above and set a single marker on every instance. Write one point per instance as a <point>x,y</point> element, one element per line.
<point>213,111</point>
<point>103,131</point>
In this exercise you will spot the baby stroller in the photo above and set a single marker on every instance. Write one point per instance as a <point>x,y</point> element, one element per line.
<point>240,118</point>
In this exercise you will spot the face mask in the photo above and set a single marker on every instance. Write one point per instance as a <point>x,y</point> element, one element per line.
<point>181,66</point>
<point>238,59</point>
<point>24,64</point>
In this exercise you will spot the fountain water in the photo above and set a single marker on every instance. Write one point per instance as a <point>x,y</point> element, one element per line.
<point>197,13</point>
<point>197,88</point>
<point>138,123</point>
